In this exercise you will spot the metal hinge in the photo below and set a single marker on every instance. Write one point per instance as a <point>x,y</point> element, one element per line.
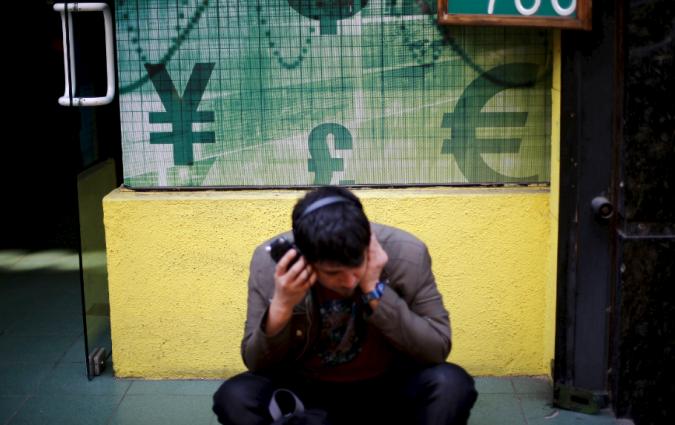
<point>96,362</point>
<point>579,400</point>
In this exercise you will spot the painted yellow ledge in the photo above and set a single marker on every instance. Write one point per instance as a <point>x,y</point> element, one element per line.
<point>178,265</point>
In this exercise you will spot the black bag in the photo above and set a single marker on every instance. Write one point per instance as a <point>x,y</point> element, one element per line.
<point>287,409</point>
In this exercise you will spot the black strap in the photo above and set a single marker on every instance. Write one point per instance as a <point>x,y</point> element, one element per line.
<point>328,200</point>
<point>275,409</point>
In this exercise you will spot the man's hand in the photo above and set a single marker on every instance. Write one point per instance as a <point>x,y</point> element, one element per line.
<point>290,287</point>
<point>377,258</point>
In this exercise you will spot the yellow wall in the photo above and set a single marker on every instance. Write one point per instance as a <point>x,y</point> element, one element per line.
<point>178,264</point>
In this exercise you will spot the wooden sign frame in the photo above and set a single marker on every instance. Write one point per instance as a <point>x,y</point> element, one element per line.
<point>582,21</point>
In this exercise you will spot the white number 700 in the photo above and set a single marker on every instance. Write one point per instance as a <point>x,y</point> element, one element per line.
<point>561,11</point>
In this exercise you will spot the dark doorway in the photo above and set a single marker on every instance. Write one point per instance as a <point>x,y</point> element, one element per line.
<point>48,145</point>
<point>616,314</point>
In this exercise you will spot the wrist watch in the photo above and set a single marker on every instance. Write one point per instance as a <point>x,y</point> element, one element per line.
<point>375,294</point>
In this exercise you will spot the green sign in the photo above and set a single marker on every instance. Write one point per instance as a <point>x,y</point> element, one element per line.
<point>293,93</point>
<point>514,7</point>
<point>540,13</point>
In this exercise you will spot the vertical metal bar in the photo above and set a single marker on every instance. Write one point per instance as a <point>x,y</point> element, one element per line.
<point>69,52</point>
<point>586,249</point>
<point>617,221</point>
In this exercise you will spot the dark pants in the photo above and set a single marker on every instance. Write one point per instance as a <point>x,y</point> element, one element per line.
<point>442,394</point>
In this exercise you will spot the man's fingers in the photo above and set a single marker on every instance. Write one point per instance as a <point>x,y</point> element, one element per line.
<point>282,266</point>
<point>307,274</point>
<point>306,279</point>
<point>297,274</point>
<point>374,243</point>
<point>295,270</point>
<point>300,275</point>
<point>377,256</point>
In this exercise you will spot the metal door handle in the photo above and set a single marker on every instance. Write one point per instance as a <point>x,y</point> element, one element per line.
<point>602,207</point>
<point>69,52</point>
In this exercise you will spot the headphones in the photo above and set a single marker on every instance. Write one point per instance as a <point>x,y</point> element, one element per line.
<point>320,203</point>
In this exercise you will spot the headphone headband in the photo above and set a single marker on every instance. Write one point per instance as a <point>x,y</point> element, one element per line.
<point>320,203</point>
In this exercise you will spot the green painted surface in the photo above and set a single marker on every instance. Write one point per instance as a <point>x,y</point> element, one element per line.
<point>534,8</point>
<point>285,92</point>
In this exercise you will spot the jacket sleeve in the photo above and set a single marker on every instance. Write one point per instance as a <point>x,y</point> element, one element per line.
<point>258,350</point>
<point>411,314</point>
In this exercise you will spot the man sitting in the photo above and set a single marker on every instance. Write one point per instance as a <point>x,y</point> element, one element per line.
<point>351,321</point>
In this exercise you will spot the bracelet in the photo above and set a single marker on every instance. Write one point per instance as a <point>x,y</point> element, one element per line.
<point>375,294</point>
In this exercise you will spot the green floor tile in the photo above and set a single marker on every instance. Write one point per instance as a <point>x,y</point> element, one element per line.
<point>492,385</point>
<point>76,353</point>
<point>71,379</point>
<point>20,379</point>
<point>214,421</point>
<point>175,387</point>
<point>531,385</point>
<point>45,322</point>
<point>7,318</point>
<point>163,409</point>
<point>66,410</point>
<point>45,350</point>
<point>496,409</point>
<point>9,405</point>
<point>38,290</point>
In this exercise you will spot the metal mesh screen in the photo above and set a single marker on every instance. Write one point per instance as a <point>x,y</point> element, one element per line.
<point>300,92</point>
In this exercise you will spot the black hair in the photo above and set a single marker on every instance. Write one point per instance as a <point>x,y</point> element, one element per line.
<point>336,232</point>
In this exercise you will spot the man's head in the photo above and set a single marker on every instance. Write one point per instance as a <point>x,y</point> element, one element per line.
<point>333,233</point>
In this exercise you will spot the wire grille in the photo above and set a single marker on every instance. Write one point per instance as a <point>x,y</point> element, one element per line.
<point>300,92</point>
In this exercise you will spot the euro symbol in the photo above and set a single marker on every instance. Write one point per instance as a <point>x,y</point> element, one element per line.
<point>181,112</point>
<point>320,162</point>
<point>467,116</point>
<point>327,12</point>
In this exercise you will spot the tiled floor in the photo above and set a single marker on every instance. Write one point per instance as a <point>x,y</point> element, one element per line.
<point>43,378</point>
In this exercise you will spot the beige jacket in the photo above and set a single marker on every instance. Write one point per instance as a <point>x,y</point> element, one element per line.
<point>410,314</point>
